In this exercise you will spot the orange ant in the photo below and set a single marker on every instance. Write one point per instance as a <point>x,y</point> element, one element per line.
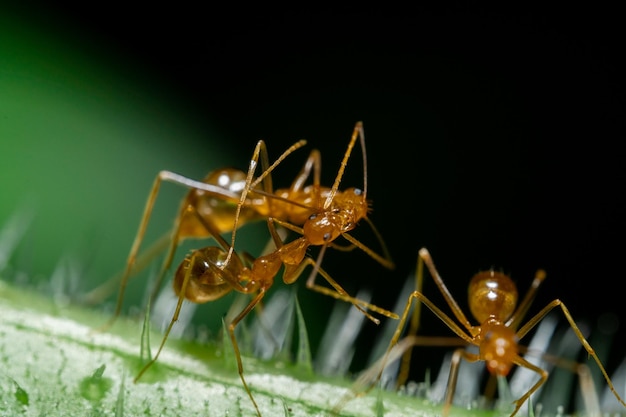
<point>209,273</point>
<point>208,208</point>
<point>493,303</point>
<point>228,198</point>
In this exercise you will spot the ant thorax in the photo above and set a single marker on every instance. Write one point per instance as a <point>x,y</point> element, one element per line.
<point>297,205</point>
<point>346,210</point>
<point>492,295</point>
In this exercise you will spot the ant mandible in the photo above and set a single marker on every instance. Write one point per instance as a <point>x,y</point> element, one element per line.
<point>493,303</point>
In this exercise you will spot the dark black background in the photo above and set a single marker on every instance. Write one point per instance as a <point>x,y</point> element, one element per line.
<point>494,137</point>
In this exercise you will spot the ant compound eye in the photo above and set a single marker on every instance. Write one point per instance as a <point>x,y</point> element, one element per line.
<point>326,236</point>
<point>313,216</point>
<point>358,191</point>
<point>335,210</point>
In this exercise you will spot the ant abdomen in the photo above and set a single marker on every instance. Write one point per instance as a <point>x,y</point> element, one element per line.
<point>207,280</point>
<point>492,295</point>
<point>220,210</point>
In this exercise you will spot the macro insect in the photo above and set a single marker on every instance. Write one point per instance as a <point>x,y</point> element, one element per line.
<point>318,214</point>
<point>493,302</point>
<point>208,274</point>
<point>211,272</point>
<point>211,206</point>
<point>229,198</point>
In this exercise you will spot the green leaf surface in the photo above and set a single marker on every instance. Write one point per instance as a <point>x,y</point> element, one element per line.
<point>54,364</point>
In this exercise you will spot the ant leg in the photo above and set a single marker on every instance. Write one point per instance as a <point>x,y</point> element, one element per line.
<point>340,294</point>
<point>317,263</point>
<point>356,133</point>
<point>384,259</point>
<point>167,261</point>
<point>587,386</point>
<point>143,224</point>
<point>414,323</point>
<point>588,390</point>
<point>292,272</point>
<point>181,298</point>
<point>425,255</point>
<point>543,375</point>
<point>312,163</point>
<point>454,374</point>
<point>398,347</point>
<point>233,339</point>
<point>515,319</point>
<point>212,231</point>
<point>260,150</point>
<point>102,291</point>
<point>558,303</point>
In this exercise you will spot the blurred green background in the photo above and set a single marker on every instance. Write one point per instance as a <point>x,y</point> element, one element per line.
<point>83,134</point>
<point>494,137</point>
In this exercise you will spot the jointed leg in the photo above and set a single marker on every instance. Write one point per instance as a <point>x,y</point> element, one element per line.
<point>558,303</point>
<point>356,133</point>
<point>181,298</point>
<point>143,224</point>
<point>231,331</point>
<point>259,151</point>
<point>405,365</point>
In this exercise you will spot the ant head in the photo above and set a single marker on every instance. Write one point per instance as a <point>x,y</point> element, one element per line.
<point>202,274</point>
<point>492,295</point>
<point>322,228</point>
<point>350,204</point>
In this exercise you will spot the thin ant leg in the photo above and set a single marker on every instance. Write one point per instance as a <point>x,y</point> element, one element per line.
<point>587,385</point>
<point>455,362</point>
<point>340,294</point>
<point>101,292</point>
<point>515,319</point>
<point>384,261</point>
<point>181,297</point>
<point>425,255</point>
<point>174,319</point>
<point>293,272</point>
<point>414,323</point>
<point>398,347</point>
<point>543,376</point>
<point>558,303</point>
<point>259,150</point>
<point>358,131</point>
<point>231,330</point>
<point>162,176</point>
